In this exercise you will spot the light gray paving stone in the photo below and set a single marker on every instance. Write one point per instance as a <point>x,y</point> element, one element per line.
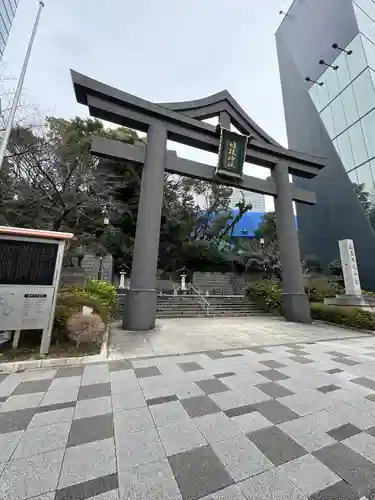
<point>31,476</point>
<point>22,402</point>
<point>40,374</point>
<point>54,396</point>
<point>309,474</point>
<point>249,393</point>
<point>42,439</point>
<point>230,493</point>
<point>128,400</point>
<point>307,402</point>
<point>61,384</point>
<point>227,400</point>
<point>91,407</point>
<point>139,448</point>
<point>168,413</point>
<point>88,461</point>
<point>9,384</point>
<point>46,496</point>
<point>310,431</point>
<point>120,380</point>
<point>155,387</point>
<point>251,422</point>
<point>347,413</point>
<point>363,443</point>
<point>270,485</point>
<point>181,436</point>
<point>131,421</point>
<point>152,481</point>
<point>97,374</point>
<point>8,443</point>
<point>185,389</point>
<point>241,458</point>
<point>52,417</point>
<point>218,427</point>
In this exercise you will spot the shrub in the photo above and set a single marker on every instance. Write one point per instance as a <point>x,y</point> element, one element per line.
<point>320,288</point>
<point>84,329</point>
<point>267,293</point>
<point>104,292</point>
<point>346,316</point>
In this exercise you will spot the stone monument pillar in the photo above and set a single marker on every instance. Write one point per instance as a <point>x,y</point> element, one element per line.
<point>349,268</point>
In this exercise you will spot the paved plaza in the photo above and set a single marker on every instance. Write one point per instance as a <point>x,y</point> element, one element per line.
<point>282,422</point>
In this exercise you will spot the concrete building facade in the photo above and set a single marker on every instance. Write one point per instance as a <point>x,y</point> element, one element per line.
<point>8,10</point>
<point>326,52</point>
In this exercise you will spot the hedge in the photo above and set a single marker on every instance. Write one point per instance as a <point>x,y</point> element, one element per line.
<point>346,316</point>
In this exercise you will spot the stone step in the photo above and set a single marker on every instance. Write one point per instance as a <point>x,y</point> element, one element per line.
<point>224,314</point>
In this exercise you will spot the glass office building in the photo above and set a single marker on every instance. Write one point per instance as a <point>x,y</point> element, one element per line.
<point>326,52</point>
<point>7,12</point>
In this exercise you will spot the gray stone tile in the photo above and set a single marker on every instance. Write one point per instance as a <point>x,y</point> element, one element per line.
<point>371,397</point>
<point>69,371</point>
<point>181,436</point>
<point>42,439</point>
<point>276,445</point>
<point>328,388</point>
<point>3,376</point>
<point>273,375</point>
<point>224,375</point>
<point>302,360</point>
<point>46,496</point>
<point>364,444</point>
<point>272,364</point>
<point>275,412</point>
<point>270,485</point>
<point>190,366</point>
<point>138,448</point>
<point>212,386</point>
<point>352,467</point>
<point>95,374</point>
<point>61,395</point>
<point>258,350</point>
<point>92,407</point>
<point>89,489</point>
<point>22,402</point>
<point>199,472</point>
<point>336,354</point>
<point>88,461</point>
<point>151,481</point>
<point>32,476</point>
<point>241,458</point>
<point>345,361</point>
<point>168,413</point>
<point>217,427</point>
<point>334,371</point>
<point>251,422</point>
<point>64,383</point>
<point>159,401</point>
<point>86,430</point>
<point>309,401</point>
<point>41,374</point>
<point>147,371</point>
<point>227,400</point>
<point>365,382</point>
<point>156,387</point>
<point>32,387</point>
<point>52,417</point>
<point>199,406</point>
<point>94,391</point>
<point>120,365</point>
<point>338,491</point>
<point>274,390</point>
<point>344,432</point>
<point>230,493</point>
<point>128,400</point>
<point>309,474</point>
<point>8,443</point>
<point>57,406</point>
<point>239,410</point>
<point>18,420</point>
<point>132,421</point>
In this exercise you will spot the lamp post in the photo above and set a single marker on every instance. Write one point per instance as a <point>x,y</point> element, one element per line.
<point>12,114</point>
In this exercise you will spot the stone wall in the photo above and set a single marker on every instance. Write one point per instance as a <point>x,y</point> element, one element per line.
<point>91,264</point>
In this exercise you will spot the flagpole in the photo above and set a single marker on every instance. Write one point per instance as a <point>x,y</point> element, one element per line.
<point>12,114</point>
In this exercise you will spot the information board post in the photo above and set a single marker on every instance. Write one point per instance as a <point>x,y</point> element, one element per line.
<point>30,268</point>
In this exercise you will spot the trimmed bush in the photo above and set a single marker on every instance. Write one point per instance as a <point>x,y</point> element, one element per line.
<point>104,292</point>
<point>320,288</point>
<point>266,293</point>
<point>346,316</point>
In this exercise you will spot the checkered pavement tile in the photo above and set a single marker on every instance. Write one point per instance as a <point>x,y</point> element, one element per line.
<point>294,421</point>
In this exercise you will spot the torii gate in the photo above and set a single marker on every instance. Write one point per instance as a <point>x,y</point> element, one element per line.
<point>182,122</point>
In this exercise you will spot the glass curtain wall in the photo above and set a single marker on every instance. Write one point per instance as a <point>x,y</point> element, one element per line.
<point>7,12</point>
<point>346,100</point>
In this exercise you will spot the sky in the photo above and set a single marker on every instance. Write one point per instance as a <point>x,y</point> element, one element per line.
<point>160,50</point>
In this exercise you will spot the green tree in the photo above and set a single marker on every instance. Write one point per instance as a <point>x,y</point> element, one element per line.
<point>267,228</point>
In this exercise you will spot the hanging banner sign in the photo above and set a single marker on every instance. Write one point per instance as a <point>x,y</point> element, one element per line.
<point>232,154</point>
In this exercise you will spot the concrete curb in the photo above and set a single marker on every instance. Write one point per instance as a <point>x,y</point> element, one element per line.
<point>19,366</point>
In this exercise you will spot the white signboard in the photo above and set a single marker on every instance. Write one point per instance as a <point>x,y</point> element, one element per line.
<point>25,307</point>
<point>349,267</point>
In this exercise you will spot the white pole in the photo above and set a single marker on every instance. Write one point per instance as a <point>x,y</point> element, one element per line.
<point>9,126</point>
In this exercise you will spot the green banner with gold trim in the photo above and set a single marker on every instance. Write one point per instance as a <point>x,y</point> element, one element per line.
<point>232,154</point>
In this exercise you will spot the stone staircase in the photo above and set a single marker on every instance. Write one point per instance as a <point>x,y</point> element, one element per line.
<point>219,283</point>
<point>192,306</point>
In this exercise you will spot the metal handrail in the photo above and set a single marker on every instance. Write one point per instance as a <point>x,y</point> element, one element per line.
<point>201,296</point>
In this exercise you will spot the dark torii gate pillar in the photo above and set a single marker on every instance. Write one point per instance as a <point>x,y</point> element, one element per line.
<point>181,122</point>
